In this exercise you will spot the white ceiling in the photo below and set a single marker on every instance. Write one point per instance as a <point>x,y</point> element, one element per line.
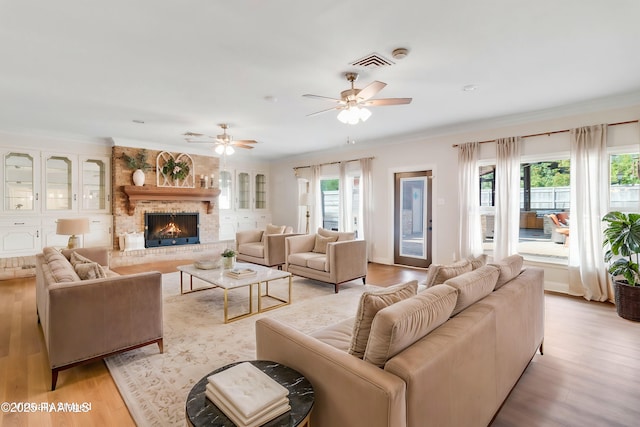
<point>88,67</point>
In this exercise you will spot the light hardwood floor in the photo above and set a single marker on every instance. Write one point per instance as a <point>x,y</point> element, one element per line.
<point>588,375</point>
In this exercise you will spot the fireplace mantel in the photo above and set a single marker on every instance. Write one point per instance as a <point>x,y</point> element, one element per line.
<point>171,194</point>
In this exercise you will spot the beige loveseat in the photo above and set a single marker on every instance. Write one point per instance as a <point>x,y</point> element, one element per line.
<point>264,247</point>
<point>328,256</point>
<point>86,320</point>
<point>458,374</point>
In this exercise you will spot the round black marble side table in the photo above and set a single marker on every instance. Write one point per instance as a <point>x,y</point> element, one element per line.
<point>201,411</point>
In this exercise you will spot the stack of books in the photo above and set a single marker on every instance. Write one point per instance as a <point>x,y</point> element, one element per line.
<point>247,396</point>
<point>241,273</point>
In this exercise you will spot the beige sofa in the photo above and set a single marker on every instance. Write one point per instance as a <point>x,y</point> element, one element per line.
<point>86,320</point>
<point>264,247</point>
<point>458,374</point>
<point>328,256</point>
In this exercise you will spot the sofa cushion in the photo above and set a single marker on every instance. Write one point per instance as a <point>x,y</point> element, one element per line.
<point>337,335</point>
<point>254,249</point>
<point>302,258</point>
<point>400,325</point>
<point>440,273</point>
<point>477,262</point>
<point>89,270</point>
<point>473,286</point>
<point>318,263</point>
<point>61,268</point>
<point>370,303</point>
<point>342,235</point>
<point>510,267</point>
<point>321,243</point>
<point>76,258</point>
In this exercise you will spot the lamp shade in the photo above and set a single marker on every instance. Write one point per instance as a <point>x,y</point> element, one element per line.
<point>72,226</point>
<point>305,199</point>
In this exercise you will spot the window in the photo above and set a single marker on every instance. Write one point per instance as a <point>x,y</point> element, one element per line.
<point>330,202</point>
<point>624,184</point>
<point>544,193</point>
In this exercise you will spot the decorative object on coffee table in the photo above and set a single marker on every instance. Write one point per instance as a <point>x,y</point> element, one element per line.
<point>622,239</point>
<point>201,411</point>
<point>228,259</point>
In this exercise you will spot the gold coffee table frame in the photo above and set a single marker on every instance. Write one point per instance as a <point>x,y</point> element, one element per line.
<point>218,279</point>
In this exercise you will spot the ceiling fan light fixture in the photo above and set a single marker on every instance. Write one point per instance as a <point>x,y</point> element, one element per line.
<point>353,115</point>
<point>228,150</point>
<point>219,149</point>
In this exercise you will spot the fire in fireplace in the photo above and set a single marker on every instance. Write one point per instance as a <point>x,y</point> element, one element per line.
<point>171,229</point>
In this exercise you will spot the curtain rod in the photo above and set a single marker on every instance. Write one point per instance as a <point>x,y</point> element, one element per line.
<point>553,132</point>
<point>333,163</point>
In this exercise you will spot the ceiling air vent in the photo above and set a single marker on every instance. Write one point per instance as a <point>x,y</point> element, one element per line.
<point>372,61</point>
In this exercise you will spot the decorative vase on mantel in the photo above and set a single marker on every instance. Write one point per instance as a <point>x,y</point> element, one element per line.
<point>138,178</point>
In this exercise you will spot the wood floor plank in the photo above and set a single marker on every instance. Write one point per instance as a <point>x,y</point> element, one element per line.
<point>588,375</point>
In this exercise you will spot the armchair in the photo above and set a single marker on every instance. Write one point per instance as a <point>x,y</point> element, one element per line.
<point>264,247</point>
<point>560,230</point>
<point>329,256</point>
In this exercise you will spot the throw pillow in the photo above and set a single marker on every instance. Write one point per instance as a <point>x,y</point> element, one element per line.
<point>89,270</point>
<point>510,267</point>
<point>273,229</point>
<point>321,243</point>
<point>342,235</point>
<point>477,262</point>
<point>473,286</point>
<point>76,258</point>
<point>370,303</point>
<point>400,325</point>
<point>59,266</point>
<point>439,273</point>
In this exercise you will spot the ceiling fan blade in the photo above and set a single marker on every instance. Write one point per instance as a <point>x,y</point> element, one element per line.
<point>326,98</point>
<point>192,134</point>
<point>243,146</point>
<point>370,90</point>
<point>244,141</point>
<point>339,107</point>
<point>386,101</point>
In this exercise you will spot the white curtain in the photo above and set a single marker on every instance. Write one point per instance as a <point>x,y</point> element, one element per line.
<point>303,187</point>
<point>470,232</point>
<point>345,223</point>
<point>507,221</point>
<point>589,185</point>
<point>366,204</point>
<point>316,194</point>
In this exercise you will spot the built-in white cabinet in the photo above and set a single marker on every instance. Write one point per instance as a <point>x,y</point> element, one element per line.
<point>41,187</point>
<point>251,191</point>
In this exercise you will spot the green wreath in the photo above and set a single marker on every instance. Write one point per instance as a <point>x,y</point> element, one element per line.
<point>176,170</point>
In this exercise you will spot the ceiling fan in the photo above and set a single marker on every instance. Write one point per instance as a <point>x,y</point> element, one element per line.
<point>353,101</point>
<point>223,143</point>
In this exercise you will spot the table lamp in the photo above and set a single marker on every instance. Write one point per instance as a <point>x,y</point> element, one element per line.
<point>71,227</point>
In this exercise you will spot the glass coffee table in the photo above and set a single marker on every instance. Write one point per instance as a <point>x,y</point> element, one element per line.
<point>217,278</point>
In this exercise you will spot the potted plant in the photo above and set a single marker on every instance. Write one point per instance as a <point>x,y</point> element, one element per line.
<point>139,165</point>
<point>622,239</point>
<point>228,258</point>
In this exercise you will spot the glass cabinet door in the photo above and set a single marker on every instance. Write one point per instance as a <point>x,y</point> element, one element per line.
<point>19,182</point>
<point>224,199</point>
<point>94,188</point>
<point>260,191</point>
<point>244,191</point>
<point>58,181</point>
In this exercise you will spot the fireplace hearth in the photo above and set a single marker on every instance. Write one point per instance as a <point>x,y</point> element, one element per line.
<point>171,229</point>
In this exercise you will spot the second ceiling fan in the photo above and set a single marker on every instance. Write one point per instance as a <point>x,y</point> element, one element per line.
<point>353,101</point>
<point>223,143</point>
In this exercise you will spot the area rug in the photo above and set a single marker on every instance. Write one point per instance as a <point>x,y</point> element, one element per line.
<point>155,386</point>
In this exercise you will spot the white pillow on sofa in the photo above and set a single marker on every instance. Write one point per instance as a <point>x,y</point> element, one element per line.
<point>473,286</point>
<point>440,273</point>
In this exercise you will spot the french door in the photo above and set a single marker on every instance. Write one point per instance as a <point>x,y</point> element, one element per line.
<point>412,219</point>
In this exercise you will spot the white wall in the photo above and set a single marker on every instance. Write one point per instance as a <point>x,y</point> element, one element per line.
<point>437,153</point>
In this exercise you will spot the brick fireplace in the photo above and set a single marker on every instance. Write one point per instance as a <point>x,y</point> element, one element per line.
<point>130,218</point>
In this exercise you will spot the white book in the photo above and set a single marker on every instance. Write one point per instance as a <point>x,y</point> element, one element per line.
<point>259,419</point>
<point>247,388</point>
